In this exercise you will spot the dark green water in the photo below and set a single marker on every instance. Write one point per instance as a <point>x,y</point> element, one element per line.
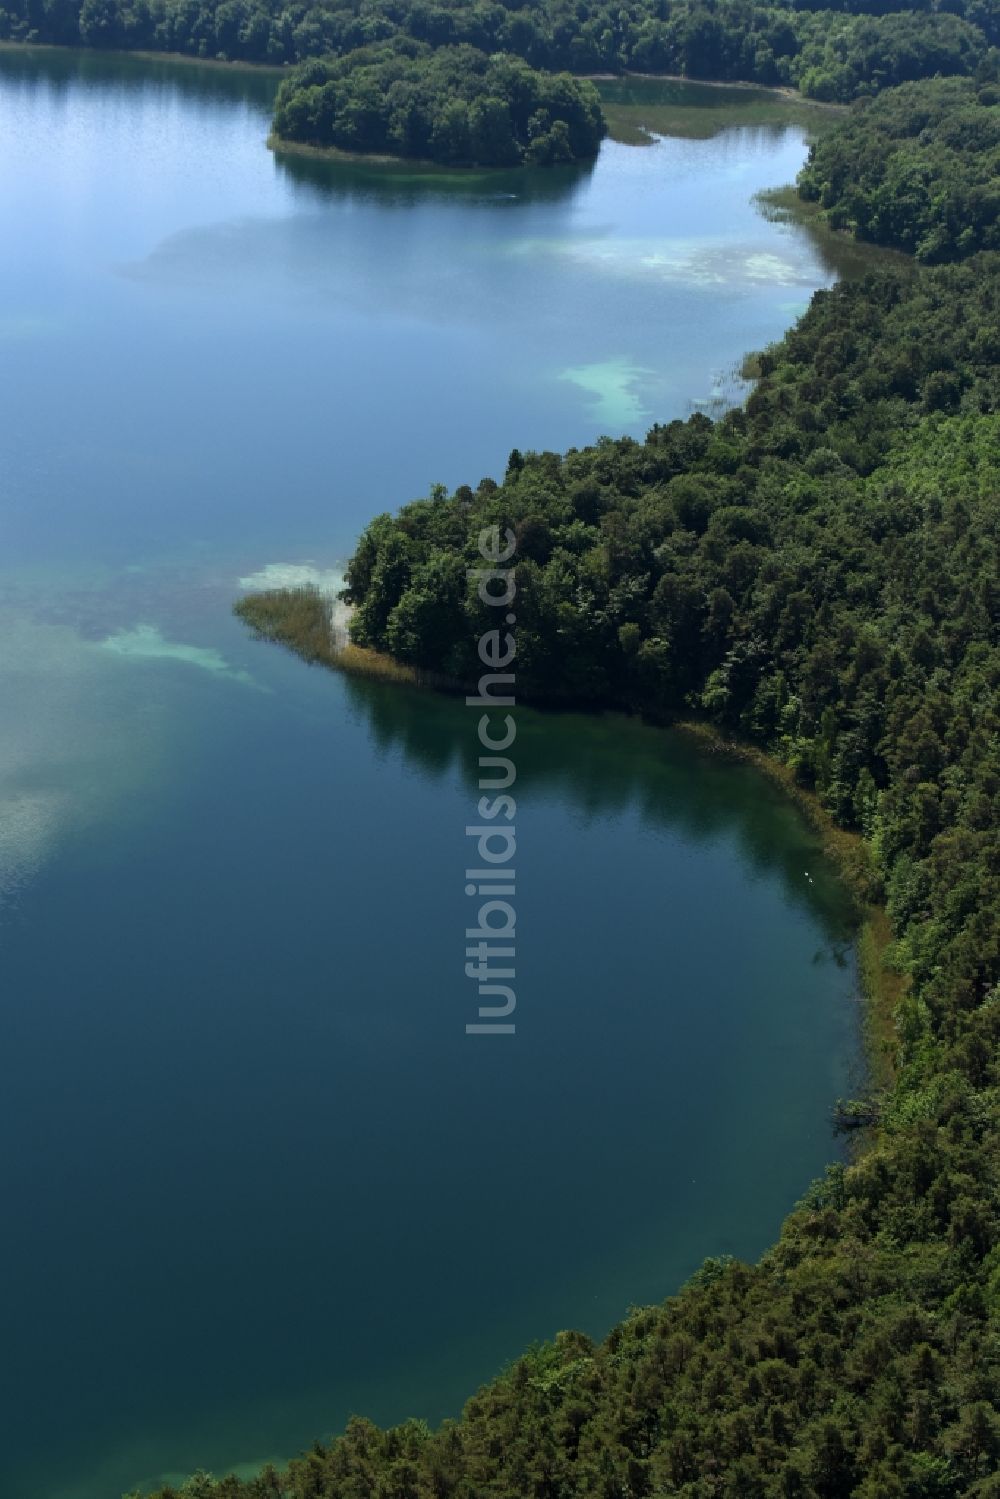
<point>255,1176</point>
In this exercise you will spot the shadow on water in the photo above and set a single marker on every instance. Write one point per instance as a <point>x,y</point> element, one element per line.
<point>638,109</point>
<point>60,70</point>
<point>842,256</point>
<point>398,184</point>
<point>604,765</point>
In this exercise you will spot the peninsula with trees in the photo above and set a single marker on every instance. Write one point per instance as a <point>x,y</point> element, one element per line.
<point>816,574</point>
<point>455,106</point>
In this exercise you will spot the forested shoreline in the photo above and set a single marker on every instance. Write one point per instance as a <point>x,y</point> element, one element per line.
<point>816,573</point>
<point>435,59</point>
<point>833,52</point>
<point>917,169</point>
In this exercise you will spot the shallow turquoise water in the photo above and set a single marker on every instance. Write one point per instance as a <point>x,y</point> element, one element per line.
<point>256,1175</point>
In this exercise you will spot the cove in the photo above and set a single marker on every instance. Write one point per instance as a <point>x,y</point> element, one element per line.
<point>256,1176</point>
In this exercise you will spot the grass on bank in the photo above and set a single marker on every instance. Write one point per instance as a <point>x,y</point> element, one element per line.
<point>639,107</point>
<point>300,618</point>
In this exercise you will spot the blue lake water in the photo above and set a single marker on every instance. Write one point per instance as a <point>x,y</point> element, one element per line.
<point>255,1174</point>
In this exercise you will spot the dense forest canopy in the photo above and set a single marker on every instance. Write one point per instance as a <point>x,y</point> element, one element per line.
<point>819,573</point>
<point>918,167</point>
<point>830,52</point>
<point>453,105</point>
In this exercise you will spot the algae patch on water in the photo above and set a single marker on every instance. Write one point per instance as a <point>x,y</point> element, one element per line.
<point>611,385</point>
<point>146,643</point>
<point>709,263</point>
<point>326,580</point>
<point>60,770</point>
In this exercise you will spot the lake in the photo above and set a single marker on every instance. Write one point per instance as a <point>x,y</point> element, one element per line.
<point>256,1176</point>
